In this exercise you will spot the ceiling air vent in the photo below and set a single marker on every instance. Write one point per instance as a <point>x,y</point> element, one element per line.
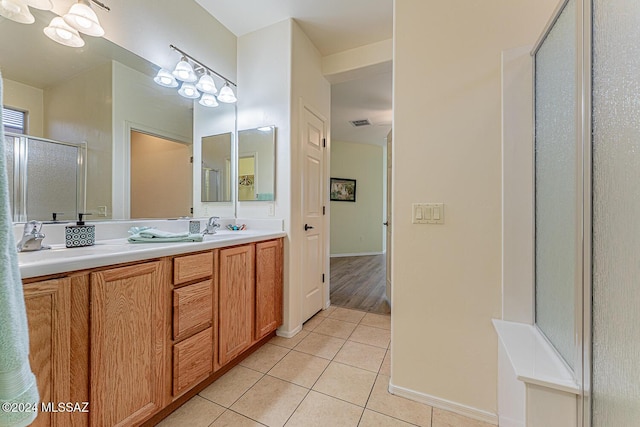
<point>361,122</point>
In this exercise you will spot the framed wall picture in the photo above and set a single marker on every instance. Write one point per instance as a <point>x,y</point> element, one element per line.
<point>343,190</point>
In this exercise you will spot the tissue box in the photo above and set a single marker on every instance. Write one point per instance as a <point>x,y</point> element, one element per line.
<point>77,236</point>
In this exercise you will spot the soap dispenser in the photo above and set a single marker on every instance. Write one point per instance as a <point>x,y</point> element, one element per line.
<point>80,235</point>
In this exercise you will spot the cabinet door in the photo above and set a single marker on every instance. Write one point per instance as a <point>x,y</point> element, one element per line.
<point>48,306</point>
<point>268,287</point>
<point>127,343</point>
<point>235,301</point>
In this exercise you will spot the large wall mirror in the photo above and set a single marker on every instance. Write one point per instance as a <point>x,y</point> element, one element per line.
<point>256,164</point>
<point>103,95</point>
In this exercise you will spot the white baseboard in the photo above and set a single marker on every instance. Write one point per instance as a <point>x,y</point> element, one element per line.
<point>288,334</point>
<point>436,402</point>
<point>507,422</point>
<point>356,254</point>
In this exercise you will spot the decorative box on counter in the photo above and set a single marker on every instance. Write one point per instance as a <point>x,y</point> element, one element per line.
<point>79,235</point>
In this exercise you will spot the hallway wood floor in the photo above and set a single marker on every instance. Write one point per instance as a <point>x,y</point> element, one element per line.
<point>359,283</point>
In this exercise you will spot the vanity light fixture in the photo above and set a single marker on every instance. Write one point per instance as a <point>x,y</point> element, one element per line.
<point>16,10</point>
<point>189,74</point>
<point>61,32</point>
<point>184,71</point>
<point>188,90</point>
<point>165,78</point>
<point>226,94</point>
<point>82,17</point>
<point>208,100</point>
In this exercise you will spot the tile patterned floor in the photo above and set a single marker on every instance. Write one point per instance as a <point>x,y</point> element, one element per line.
<point>335,372</point>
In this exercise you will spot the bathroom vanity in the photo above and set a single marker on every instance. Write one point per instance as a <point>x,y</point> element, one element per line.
<point>138,329</point>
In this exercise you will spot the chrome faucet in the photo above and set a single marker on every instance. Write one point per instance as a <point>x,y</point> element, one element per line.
<point>32,237</point>
<point>212,225</point>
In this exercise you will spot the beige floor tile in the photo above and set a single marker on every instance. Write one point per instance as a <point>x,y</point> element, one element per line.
<point>397,407</point>
<point>271,401</point>
<point>197,412</point>
<point>372,336</point>
<point>326,312</point>
<point>377,321</point>
<point>232,419</point>
<point>347,315</point>
<point>374,419</point>
<point>265,358</point>
<point>361,356</point>
<point>312,323</point>
<point>322,411</point>
<point>229,387</point>
<point>385,368</point>
<point>335,328</point>
<point>346,382</point>
<point>299,368</point>
<point>320,345</point>
<point>289,342</point>
<point>442,418</point>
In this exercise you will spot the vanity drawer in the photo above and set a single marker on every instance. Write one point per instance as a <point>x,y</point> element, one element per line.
<point>192,308</point>
<point>192,267</point>
<point>192,361</point>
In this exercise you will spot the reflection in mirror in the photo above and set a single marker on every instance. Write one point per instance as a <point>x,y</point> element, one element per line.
<point>256,164</point>
<point>96,94</point>
<point>216,168</point>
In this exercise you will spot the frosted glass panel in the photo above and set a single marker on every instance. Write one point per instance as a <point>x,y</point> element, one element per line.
<point>555,98</point>
<point>616,213</point>
<point>8,143</point>
<point>52,180</point>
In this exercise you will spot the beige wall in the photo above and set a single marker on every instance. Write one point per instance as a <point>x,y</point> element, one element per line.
<point>26,98</point>
<point>356,228</point>
<point>447,138</point>
<point>161,177</point>
<point>77,110</point>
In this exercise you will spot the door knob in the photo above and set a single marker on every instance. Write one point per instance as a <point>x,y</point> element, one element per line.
<point>307,227</point>
<point>385,223</point>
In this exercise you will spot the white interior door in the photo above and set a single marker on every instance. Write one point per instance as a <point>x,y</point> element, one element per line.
<point>388,220</point>
<point>312,205</point>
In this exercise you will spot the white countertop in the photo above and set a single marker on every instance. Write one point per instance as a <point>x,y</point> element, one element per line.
<point>60,259</point>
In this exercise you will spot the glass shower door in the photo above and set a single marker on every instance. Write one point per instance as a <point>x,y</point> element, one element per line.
<point>616,214</point>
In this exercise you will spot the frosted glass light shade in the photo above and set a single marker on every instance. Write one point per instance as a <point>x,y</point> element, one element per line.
<point>226,95</point>
<point>184,72</point>
<point>84,19</point>
<point>207,85</point>
<point>59,31</point>
<point>165,78</point>
<point>208,100</point>
<point>41,4</point>
<point>188,90</point>
<point>16,10</point>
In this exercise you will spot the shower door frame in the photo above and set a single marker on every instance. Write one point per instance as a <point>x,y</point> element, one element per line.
<point>584,214</point>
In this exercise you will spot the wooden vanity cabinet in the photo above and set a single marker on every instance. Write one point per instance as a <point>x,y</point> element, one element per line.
<point>48,306</point>
<point>127,343</point>
<point>268,287</point>
<point>236,299</point>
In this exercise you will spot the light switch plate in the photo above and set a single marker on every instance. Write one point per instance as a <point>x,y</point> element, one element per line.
<point>427,213</point>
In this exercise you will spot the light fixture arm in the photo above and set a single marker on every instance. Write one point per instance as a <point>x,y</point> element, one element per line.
<point>101,5</point>
<point>199,63</point>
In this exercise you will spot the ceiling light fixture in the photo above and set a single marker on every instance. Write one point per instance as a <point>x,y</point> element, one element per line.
<point>189,74</point>
<point>16,10</point>
<point>59,31</point>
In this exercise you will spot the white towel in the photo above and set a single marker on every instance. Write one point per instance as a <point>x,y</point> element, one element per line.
<point>17,383</point>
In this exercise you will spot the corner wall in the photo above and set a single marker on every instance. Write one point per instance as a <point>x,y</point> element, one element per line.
<point>447,148</point>
<point>356,228</point>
